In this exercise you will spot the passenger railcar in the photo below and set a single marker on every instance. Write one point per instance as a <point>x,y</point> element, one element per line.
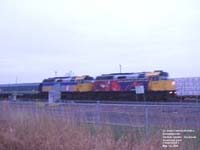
<point>22,87</point>
<point>22,90</point>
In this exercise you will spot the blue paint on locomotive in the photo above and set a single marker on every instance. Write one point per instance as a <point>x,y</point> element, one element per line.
<point>68,83</point>
<point>130,85</point>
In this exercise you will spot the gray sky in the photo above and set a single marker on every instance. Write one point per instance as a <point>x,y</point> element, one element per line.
<point>39,37</point>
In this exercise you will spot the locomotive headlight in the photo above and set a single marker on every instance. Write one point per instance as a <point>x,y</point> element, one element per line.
<point>173,83</point>
<point>170,92</point>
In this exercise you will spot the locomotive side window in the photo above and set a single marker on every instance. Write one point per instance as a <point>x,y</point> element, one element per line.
<point>104,78</point>
<point>121,77</point>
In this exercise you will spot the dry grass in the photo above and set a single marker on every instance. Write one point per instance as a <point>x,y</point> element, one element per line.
<point>26,130</point>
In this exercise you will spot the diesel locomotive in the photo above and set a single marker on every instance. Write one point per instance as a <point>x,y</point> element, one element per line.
<point>152,86</point>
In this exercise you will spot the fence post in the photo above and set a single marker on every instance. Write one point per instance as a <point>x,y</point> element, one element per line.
<point>98,113</point>
<point>146,123</point>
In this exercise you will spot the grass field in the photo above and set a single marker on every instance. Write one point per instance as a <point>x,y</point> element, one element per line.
<point>28,130</point>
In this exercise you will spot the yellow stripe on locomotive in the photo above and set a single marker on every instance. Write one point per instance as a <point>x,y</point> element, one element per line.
<point>46,88</point>
<point>162,85</point>
<point>84,87</point>
<point>84,83</point>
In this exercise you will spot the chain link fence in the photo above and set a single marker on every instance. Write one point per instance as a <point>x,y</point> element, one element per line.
<point>145,117</point>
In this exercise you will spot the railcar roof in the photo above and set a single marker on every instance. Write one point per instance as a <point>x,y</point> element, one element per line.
<point>19,84</point>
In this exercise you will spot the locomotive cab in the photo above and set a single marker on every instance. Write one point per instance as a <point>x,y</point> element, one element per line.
<point>160,84</point>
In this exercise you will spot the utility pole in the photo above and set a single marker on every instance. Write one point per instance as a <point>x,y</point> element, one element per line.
<point>16,80</point>
<point>120,68</point>
<point>55,73</point>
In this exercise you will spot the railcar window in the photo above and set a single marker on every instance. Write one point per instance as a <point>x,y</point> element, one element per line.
<point>89,78</point>
<point>163,78</point>
<point>48,80</point>
<point>104,78</point>
<point>98,78</point>
<point>141,76</point>
<point>164,74</point>
<point>156,78</point>
<point>122,77</point>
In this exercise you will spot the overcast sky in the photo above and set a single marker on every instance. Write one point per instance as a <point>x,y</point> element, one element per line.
<point>39,37</point>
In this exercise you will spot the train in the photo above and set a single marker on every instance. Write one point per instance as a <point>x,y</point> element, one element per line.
<point>136,86</point>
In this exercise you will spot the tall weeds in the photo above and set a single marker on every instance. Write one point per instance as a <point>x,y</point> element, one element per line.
<point>23,130</point>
